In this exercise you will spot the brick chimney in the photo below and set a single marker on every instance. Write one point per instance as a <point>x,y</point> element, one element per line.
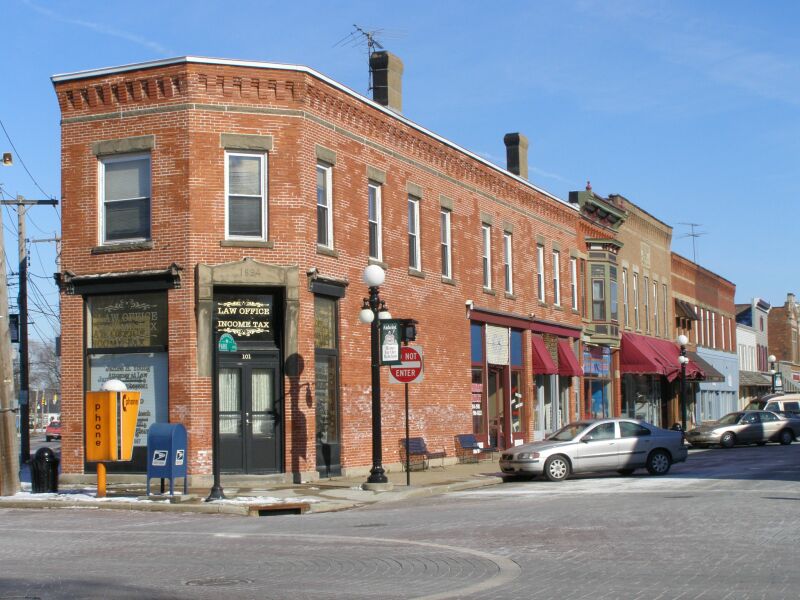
<point>517,154</point>
<point>387,80</point>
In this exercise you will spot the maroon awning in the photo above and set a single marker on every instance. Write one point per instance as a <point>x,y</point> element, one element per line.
<point>542,362</point>
<point>647,355</point>
<point>567,361</point>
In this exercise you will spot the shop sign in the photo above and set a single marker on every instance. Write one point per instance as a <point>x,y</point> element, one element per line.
<point>227,343</point>
<point>243,319</point>
<point>390,341</point>
<point>135,321</point>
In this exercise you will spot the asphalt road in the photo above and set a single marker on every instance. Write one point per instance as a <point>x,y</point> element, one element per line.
<point>724,525</point>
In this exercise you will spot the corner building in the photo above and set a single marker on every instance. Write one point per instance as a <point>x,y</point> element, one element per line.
<point>218,216</point>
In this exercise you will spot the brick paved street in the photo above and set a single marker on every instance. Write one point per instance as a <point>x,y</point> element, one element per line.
<point>724,525</point>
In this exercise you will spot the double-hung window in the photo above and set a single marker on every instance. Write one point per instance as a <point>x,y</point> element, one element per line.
<point>486,240</point>
<point>646,296</point>
<point>325,205</point>
<point>656,329</point>
<point>540,272</point>
<point>625,297</point>
<point>414,258</point>
<point>246,194</point>
<point>556,278</point>
<point>374,216</point>
<point>573,282</point>
<point>125,198</point>
<point>636,301</point>
<point>446,242</point>
<point>508,262</point>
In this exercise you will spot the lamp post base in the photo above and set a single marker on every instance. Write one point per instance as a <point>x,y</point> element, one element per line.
<point>377,475</point>
<point>216,493</point>
<point>377,487</point>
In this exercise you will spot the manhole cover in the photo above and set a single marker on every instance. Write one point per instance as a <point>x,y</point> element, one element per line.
<point>219,581</point>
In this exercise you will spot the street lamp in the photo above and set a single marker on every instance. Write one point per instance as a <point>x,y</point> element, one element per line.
<point>372,312</point>
<point>682,359</point>
<point>772,370</point>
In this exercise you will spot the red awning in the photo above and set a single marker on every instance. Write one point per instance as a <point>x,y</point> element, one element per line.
<point>567,361</point>
<point>542,362</point>
<point>647,355</point>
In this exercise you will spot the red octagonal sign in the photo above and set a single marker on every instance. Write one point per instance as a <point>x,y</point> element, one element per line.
<point>410,369</point>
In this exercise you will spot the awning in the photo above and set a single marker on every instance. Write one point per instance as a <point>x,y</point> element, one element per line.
<point>542,362</point>
<point>685,310</point>
<point>709,372</point>
<point>567,361</point>
<point>754,379</point>
<point>646,355</point>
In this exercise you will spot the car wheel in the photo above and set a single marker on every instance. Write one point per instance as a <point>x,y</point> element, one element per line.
<point>556,468</point>
<point>625,472</point>
<point>728,440</point>
<point>658,463</point>
<point>785,437</point>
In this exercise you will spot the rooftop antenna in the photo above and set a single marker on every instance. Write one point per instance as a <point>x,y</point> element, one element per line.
<point>361,35</point>
<point>694,235</point>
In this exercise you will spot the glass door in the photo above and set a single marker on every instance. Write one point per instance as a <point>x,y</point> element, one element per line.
<point>496,406</point>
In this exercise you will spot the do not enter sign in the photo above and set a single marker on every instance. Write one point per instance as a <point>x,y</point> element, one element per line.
<point>410,368</point>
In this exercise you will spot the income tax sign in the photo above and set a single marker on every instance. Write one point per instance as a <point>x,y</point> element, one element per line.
<point>410,368</point>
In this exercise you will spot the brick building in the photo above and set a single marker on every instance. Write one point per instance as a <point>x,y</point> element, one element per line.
<point>784,342</point>
<point>218,216</point>
<point>705,313</point>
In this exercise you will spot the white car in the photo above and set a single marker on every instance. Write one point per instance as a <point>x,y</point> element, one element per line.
<point>622,445</point>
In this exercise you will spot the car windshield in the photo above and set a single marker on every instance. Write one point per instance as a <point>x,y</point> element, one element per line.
<point>569,432</point>
<point>730,419</point>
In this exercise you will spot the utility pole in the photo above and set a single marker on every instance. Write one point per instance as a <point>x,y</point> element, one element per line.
<point>24,386</point>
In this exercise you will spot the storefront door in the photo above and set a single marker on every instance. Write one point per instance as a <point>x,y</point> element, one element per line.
<point>249,412</point>
<point>496,405</point>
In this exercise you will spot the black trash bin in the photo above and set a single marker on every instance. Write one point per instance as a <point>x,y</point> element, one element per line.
<point>44,472</point>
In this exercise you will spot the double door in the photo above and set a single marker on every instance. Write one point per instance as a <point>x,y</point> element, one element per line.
<point>249,393</point>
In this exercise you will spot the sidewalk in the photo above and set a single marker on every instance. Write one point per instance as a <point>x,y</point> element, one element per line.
<point>324,495</point>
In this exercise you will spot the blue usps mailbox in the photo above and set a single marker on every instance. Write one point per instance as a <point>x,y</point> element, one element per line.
<point>166,454</point>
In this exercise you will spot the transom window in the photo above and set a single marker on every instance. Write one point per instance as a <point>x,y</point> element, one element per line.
<point>246,185</point>
<point>325,205</point>
<point>374,210</point>
<point>125,198</point>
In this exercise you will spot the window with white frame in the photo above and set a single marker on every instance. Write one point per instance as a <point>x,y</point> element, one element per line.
<point>414,258</point>
<point>325,205</point>
<point>625,297</point>
<point>446,243</point>
<point>556,278</point>
<point>656,329</point>
<point>573,281</point>
<point>646,296</point>
<point>664,308</point>
<point>486,254</point>
<point>722,330</point>
<point>125,198</point>
<point>636,300</point>
<point>713,330</point>
<point>374,216</point>
<point>508,262</point>
<point>540,272</point>
<point>246,193</point>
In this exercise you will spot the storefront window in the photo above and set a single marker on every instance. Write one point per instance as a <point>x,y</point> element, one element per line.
<point>596,382</point>
<point>127,340</point>
<point>326,368</point>
<point>478,415</point>
<point>642,397</point>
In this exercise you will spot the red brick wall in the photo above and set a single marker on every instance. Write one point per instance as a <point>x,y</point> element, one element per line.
<point>188,225</point>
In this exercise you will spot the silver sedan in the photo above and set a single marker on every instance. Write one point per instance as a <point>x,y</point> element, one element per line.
<point>745,427</point>
<point>599,445</point>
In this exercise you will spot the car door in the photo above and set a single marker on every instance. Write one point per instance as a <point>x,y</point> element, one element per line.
<point>598,449</point>
<point>633,445</point>
<point>771,424</point>
<point>750,429</point>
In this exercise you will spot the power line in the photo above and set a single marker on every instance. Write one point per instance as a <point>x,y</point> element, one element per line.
<point>22,162</point>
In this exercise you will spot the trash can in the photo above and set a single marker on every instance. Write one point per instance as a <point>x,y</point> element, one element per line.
<point>44,472</point>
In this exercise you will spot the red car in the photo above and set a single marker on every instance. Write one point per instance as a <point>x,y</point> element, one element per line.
<point>53,431</point>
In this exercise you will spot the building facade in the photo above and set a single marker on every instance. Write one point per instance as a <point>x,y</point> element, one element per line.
<point>784,342</point>
<point>752,335</point>
<point>705,313</point>
<point>218,217</point>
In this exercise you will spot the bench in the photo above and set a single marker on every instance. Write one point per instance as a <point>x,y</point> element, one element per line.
<point>418,453</point>
<point>469,449</point>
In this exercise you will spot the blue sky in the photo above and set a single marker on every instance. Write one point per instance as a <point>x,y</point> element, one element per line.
<point>689,109</point>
